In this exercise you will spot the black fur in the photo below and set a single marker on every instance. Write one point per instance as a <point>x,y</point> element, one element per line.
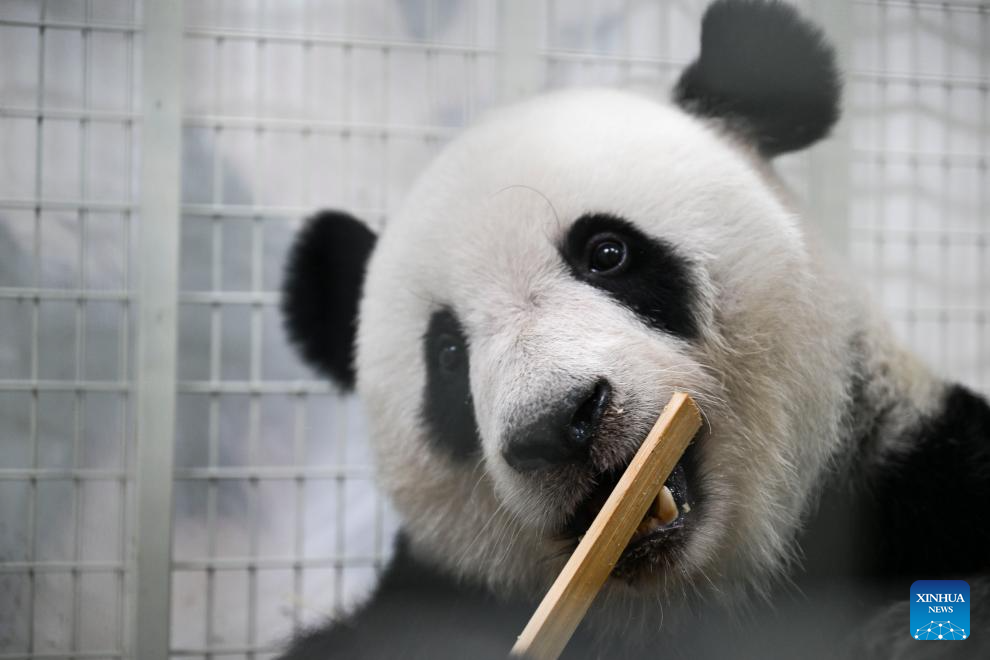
<point>655,282</point>
<point>766,72</point>
<point>448,407</point>
<point>914,514</point>
<point>321,290</point>
<point>926,509</point>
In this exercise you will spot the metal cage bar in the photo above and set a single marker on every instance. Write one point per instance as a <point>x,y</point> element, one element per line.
<point>158,250</point>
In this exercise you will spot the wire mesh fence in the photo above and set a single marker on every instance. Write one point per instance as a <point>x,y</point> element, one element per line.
<point>918,208</point>
<point>294,106</point>
<point>69,140</point>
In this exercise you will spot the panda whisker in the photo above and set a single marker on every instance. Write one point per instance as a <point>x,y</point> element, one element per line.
<point>553,210</point>
<point>430,300</point>
<point>484,527</point>
<point>506,544</point>
<point>482,475</point>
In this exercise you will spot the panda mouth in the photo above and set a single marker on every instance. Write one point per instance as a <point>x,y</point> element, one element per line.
<point>662,528</point>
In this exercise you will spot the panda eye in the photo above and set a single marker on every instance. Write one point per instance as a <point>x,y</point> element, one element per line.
<point>606,254</point>
<point>448,407</point>
<point>450,353</point>
<point>642,272</point>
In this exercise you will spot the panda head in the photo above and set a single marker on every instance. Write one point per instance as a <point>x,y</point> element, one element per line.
<point>554,276</point>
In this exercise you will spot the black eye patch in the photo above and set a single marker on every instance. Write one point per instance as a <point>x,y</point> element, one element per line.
<point>644,273</point>
<point>448,407</point>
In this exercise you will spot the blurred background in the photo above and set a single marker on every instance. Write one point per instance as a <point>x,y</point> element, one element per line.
<point>291,106</point>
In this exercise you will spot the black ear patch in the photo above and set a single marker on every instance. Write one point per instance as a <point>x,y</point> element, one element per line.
<point>322,287</point>
<point>767,72</point>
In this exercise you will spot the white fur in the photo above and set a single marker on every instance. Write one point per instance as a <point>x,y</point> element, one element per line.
<point>479,233</point>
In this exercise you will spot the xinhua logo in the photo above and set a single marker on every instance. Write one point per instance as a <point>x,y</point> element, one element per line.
<point>940,610</point>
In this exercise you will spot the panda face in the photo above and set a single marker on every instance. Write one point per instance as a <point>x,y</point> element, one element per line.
<point>555,276</point>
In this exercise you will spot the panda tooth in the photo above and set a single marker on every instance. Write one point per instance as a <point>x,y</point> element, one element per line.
<point>664,507</point>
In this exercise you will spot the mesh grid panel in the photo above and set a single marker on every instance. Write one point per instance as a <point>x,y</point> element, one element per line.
<point>68,105</point>
<point>294,106</point>
<point>918,205</point>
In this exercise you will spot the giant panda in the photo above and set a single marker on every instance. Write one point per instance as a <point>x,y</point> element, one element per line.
<point>554,275</point>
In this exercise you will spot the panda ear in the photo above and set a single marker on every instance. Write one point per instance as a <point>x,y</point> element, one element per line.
<point>321,291</point>
<point>766,72</point>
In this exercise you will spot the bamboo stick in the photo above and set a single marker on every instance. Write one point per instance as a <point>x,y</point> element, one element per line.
<point>572,593</point>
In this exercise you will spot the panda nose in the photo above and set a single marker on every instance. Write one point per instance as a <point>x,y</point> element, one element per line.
<point>562,435</point>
